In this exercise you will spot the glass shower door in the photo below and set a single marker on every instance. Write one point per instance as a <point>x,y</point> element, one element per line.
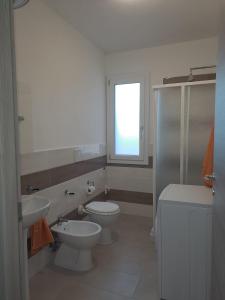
<point>200,102</point>
<point>168,137</point>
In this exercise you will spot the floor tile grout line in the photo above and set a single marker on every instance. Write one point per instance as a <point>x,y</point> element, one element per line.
<point>125,226</point>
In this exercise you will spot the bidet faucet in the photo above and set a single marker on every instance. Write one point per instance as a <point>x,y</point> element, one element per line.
<point>61,220</point>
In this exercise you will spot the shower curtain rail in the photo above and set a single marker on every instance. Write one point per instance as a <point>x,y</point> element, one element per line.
<point>156,87</point>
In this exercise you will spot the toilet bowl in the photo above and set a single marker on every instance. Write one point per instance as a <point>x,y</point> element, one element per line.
<point>78,238</point>
<point>104,214</point>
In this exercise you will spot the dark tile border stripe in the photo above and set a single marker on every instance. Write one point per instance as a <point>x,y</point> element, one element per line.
<point>73,215</point>
<point>50,177</point>
<point>130,197</point>
<point>148,166</point>
<point>47,178</point>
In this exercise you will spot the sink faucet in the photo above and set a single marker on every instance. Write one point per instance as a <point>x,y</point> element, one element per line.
<point>68,193</point>
<point>61,220</point>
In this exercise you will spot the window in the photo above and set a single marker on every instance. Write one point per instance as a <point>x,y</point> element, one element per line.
<point>126,116</point>
<point>127,112</point>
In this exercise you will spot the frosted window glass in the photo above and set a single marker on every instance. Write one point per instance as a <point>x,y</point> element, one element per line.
<point>127,119</point>
<point>168,138</point>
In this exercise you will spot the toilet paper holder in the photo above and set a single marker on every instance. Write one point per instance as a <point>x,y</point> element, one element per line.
<point>91,183</point>
<point>90,187</point>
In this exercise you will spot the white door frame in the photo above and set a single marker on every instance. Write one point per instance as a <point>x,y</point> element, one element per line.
<point>112,80</point>
<point>11,273</point>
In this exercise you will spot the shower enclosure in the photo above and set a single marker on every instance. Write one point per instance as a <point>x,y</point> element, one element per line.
<point>184,116</point>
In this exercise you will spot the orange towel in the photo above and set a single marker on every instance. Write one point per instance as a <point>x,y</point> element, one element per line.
<point>40,236</point>
<point>208,160</point>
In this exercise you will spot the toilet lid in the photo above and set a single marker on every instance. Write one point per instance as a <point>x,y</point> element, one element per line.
<point>103,207</point>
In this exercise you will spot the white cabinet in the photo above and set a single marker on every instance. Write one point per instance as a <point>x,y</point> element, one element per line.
<point>184,242</point>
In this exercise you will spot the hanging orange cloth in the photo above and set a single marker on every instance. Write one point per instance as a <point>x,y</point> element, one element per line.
<point>40,235</point>
<point>208,160</point>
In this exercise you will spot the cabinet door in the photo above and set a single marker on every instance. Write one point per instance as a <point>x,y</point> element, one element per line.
<point>199,114</point>
<point>168,134</point>
<point>185,252</point>
<point>174,252</point>
<point>200,232</point>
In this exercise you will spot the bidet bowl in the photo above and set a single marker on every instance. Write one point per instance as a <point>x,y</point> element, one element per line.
<point>78,234</point>
<point>78,238</point>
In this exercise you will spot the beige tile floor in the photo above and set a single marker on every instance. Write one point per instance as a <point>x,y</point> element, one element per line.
<point>125,270</point>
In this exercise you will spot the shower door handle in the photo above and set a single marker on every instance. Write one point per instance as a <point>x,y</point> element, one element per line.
<point>210,177</point>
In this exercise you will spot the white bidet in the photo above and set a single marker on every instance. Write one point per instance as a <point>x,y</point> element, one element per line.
<point>78,238</point>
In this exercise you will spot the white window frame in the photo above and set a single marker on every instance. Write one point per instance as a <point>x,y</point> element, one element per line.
<point>113,80</point>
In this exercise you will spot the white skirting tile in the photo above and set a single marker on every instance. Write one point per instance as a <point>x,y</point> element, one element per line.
<point>135,209</point>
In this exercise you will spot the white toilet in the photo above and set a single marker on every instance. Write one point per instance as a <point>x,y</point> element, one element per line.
<point>105,214</point>
<point>78,238</point>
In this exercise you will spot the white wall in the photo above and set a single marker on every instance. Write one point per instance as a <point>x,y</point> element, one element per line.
<point>61,85</point>
<point>159,62</point>
<point>61,93</point>
<point>130,179</point>
<point>62,204</point>
<point>164,61</point>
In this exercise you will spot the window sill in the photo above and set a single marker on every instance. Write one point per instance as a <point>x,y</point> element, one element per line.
<point>149,165</point>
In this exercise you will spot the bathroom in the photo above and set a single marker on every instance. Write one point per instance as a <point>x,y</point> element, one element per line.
<point>95,162</point>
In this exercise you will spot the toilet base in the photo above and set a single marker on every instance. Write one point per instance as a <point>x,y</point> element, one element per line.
<point>106,236</point>
<point>73,259</point>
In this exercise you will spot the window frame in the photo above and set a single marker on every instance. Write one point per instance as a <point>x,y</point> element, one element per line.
<point>143,79</point>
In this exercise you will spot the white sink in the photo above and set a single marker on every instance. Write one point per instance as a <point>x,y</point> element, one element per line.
<point>33,208</point>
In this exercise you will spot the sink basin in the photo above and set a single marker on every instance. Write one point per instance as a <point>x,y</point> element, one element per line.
<point>33,208</point>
